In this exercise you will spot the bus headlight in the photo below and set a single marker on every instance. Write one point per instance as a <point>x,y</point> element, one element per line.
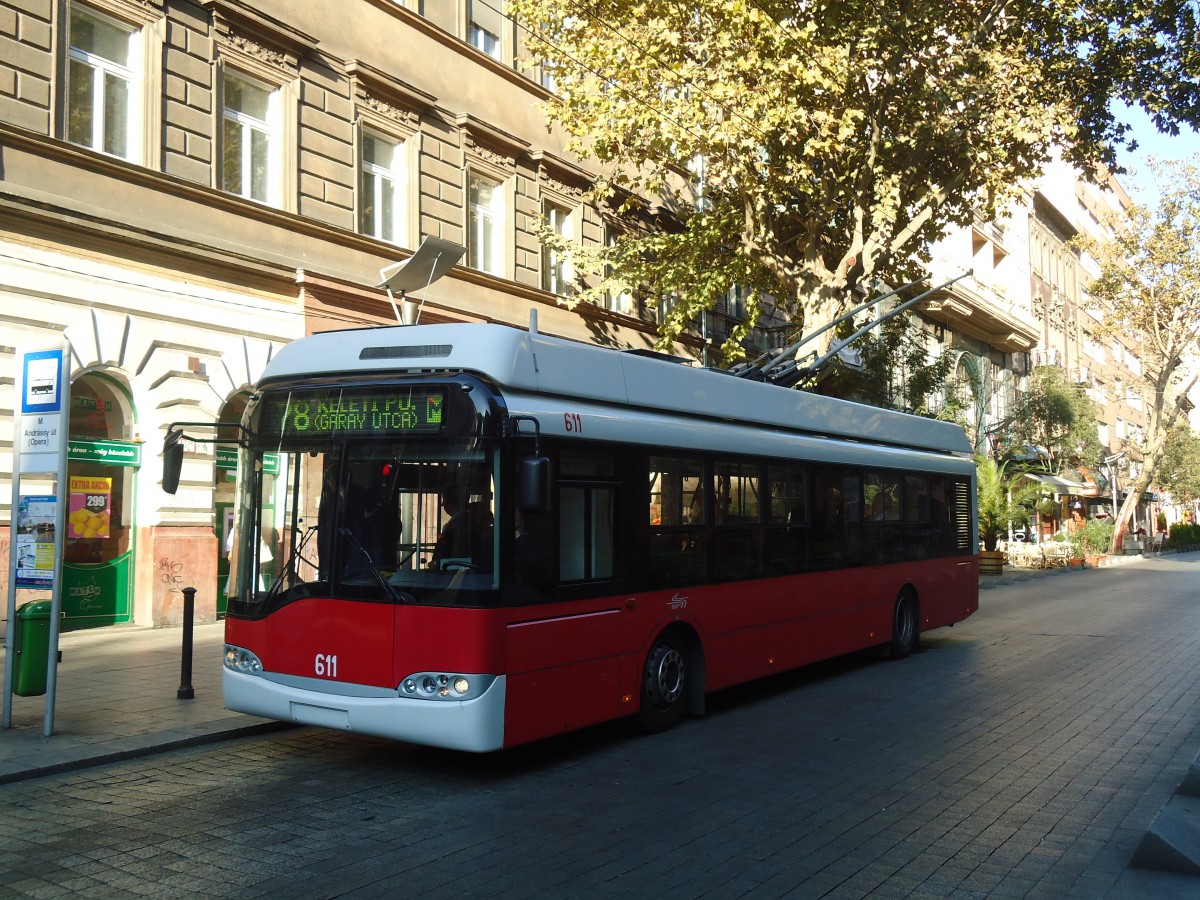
<point>239,660</point>
<point>444,686</point>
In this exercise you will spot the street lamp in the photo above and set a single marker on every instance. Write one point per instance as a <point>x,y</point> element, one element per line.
<point>433,259</point>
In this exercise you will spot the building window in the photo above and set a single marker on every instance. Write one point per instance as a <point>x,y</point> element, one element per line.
<point>549,77</point>
<point>620,301</point>
<point>666,303</point>
<point>247,137</point>
<point>735,303</point>
<point>486,26</point>
<point>485,237</point>
<point>101,84</point>
<point>384,189</point>
<point>556,275</point>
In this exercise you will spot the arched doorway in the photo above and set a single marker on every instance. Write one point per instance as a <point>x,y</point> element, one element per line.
<point>102,467</point>
<point>224,499</point>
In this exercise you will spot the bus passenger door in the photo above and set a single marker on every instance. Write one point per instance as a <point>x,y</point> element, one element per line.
<point>563,655</point>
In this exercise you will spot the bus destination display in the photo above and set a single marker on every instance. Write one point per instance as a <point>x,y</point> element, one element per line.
<point>341,412</point>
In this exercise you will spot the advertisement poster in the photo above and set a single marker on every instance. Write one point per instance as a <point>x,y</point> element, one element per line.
<point>90,505</point>
<point>35,542</point>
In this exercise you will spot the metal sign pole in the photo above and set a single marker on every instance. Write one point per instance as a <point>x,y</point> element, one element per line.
<point>60,537</point>
<point>10,632</point>
<point>39,446</point>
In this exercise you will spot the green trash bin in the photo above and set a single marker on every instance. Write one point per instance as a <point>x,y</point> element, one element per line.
<point>31,648</point>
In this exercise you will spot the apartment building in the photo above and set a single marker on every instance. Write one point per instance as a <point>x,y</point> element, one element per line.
<point>186,185</point>
<point>1026,305</point>
<point>1106,369</point>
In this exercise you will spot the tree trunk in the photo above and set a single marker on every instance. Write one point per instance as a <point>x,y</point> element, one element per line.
<point>1126,512</point>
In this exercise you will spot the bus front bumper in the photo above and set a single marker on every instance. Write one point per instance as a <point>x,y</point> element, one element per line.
<point>475,725</point>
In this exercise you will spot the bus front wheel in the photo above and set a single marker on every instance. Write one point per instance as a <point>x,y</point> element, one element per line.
<point>664,684</point>
<point>906,627</point>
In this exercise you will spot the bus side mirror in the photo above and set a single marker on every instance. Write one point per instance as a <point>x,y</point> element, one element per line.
<point>172,460</point>
<point>533,491</point>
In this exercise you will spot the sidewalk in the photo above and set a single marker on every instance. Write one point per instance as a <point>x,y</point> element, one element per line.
<point>1014,574</point>
<point>116,699</point>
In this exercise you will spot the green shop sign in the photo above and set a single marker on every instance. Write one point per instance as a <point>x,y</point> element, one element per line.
<point>227,458</point>
<point>110,453</point>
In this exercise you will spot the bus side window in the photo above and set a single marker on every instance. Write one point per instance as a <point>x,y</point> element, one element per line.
<point>942,538</point>
<point>678,551</point>
<point>882,534</point>
<point>788,531</point>
<point>677,494</point>
<point>836,515</point>
<point>585,533</point>
<point>920,536</point>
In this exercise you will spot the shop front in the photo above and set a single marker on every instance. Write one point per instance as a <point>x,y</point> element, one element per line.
<point>102,468</point>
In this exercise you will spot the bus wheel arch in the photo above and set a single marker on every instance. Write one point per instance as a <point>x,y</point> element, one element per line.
<point>672,679</point>
<point>906,624</point>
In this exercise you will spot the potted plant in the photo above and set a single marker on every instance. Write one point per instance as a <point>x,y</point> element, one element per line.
<point>1090,543</point>
<point>1075,542</point>
<point>1001,501</point>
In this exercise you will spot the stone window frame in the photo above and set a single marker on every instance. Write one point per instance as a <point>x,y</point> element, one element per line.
<point>458,18</point>
<point>400,174</point>
<point>146,22</point>
<point>272,126</point>
<point>492,154</point>
<point>489,10</point>
<point>504,251</point>
<point>571,221</point>
<point>563,185</point>
<point>624,303</point>
<point>391,109</point>
<point>263,51</point>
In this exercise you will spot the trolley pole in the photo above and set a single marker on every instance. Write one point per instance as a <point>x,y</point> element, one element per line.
<point>185,691</point>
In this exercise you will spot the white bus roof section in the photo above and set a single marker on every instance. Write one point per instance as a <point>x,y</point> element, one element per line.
<point>519,361</point>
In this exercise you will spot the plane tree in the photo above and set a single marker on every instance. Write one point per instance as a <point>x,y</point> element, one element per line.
<point>1147,288</point>
<point>1179,470</point>
<point>799,149</point>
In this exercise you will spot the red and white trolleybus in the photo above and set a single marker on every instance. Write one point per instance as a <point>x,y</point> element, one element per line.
<point>473,536</point>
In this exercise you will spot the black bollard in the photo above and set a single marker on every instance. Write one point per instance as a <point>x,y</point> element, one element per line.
<point>185,691</point>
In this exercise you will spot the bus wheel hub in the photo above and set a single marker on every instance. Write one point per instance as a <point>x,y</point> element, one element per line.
<point>664,675</point>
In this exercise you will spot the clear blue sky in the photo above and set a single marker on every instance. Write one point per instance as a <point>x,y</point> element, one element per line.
<point>1139,183</point>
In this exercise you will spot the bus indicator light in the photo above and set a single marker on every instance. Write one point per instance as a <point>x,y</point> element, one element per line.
<point>240,660</point>
<point>444,686</point>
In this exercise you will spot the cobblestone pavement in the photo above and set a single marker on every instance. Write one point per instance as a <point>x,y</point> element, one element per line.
<point>1019,754</point>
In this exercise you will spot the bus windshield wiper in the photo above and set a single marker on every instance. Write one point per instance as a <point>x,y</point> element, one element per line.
<point>394,595</point>
<point>290,568</point>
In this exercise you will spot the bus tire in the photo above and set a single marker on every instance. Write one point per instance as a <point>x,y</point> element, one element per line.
<point>664,684</point>
<point>906,626</point>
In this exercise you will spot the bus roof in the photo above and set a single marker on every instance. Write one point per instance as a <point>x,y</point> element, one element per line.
<point>536,363</point>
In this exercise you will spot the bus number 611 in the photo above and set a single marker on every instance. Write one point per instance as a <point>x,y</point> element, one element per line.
<point>573,422</point>
<point>326,665</point>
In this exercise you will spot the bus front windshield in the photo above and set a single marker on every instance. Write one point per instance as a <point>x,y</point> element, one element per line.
<point>367,520</point>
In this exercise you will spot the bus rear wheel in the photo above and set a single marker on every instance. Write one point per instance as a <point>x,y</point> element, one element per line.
<point>906,627</point>
<point>664,684</point>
